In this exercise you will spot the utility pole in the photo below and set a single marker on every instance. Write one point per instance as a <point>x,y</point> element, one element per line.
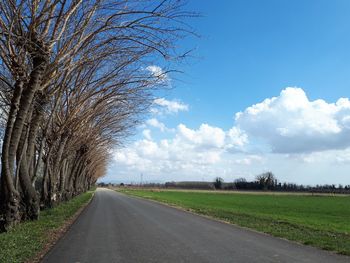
<point>141,176</point>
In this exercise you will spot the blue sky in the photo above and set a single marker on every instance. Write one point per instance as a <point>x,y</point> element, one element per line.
<point>250,51</point>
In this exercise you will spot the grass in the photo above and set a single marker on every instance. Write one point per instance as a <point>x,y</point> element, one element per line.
<point>321,221</point>
<point>28,239</point>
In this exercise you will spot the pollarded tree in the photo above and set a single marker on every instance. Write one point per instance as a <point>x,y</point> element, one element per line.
<point>55,53</point>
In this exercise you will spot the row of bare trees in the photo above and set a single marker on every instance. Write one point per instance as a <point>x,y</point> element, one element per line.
<point>73,83</point>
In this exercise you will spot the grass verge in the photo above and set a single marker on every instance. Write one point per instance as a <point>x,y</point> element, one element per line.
<point>27,240</point>
<point>320,221</point>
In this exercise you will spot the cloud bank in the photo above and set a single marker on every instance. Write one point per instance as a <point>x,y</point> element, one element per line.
<point>187,151</point>
<point>275,134</point>
<point>291,123</point>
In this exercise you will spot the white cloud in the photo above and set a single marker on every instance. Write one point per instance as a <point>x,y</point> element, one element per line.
<point>250,159</point>
<point>206,135</point>
<point>237,137</point>
<point>153,122</point>
<point>189,151</point>
<point>299,139</point>
<point>291,123</point>
<point>147,134</point>
<point>168,106</point>
<point>332,157</point>
<point>158,72</point>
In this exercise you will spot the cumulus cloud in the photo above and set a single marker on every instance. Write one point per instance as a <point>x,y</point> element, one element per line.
<point>153,122</point>
<point>291,123</point>
<point>188,151</point>
<point>158,72</point>
<point>206,136</point>
<point>168,106</point>
<point>147,134</point>
<point>283,134</point>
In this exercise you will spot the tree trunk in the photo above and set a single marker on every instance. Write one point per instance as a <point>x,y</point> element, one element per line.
<point>9,196</point>
<point>46,180</point>
<point>20,105</point>
<point>55,177</point>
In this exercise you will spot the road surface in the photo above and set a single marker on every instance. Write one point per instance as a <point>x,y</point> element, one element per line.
<point>118,228</point>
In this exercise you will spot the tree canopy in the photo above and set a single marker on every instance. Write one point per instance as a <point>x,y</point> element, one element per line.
<point>74,80</point>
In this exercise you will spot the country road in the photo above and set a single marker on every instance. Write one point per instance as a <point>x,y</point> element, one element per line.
<point>118,228</point>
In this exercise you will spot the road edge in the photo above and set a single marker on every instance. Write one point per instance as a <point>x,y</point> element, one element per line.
<point>59,233</point>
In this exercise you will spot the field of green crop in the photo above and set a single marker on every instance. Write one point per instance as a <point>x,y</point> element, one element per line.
<point>321,221</point>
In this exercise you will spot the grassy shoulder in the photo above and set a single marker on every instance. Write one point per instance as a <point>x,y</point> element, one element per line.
<point>321,221</point>
<point>28,239</point>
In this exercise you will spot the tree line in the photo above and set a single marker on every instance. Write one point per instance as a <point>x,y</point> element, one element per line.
<point>263,182</point>
<point>74,81</point>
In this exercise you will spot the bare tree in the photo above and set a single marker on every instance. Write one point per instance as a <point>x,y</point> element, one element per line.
<point>266,180</point>
<point>218,182</point>
<point>73,82</point>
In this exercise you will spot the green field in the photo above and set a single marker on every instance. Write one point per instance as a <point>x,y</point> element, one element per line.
<point>28,239</point>
<point>321,221</point>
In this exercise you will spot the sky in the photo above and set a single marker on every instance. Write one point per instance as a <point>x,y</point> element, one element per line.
<point>267,89</point>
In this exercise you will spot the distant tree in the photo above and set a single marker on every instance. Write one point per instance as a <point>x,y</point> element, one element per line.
<point>267,180</point>
<point>240,180</point>
<point>218,182</point>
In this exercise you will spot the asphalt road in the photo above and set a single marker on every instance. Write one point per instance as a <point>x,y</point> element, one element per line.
<point>118,228</point>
